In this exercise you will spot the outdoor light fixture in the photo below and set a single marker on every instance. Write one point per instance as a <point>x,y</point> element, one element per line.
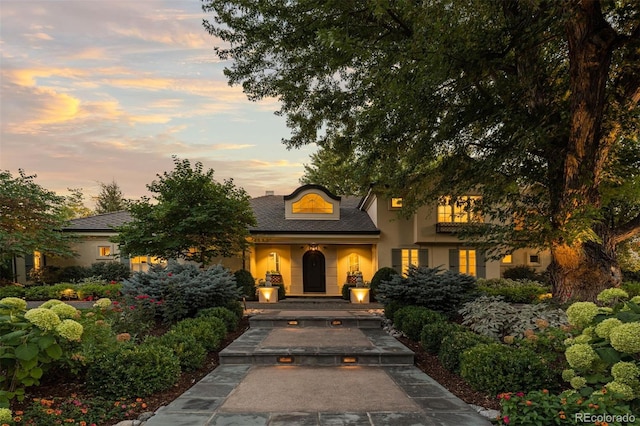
<point>349,360</point>
<point>359,295</point>
<point>292,322</point>
<point>336,322</point>
<point>313,246</point>
<point>268,294</point>
<point>285,359</point>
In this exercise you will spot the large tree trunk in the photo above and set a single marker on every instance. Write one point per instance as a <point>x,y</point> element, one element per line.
<point>582,271</point>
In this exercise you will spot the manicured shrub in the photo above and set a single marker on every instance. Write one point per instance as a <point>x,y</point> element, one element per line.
<point>184,289</point>
<point>391,308</point>
<point>133,371</point>
<point>494,368</point>
<point>110,271</point>
<point>433,288</point>
<point>185,347</point>
<point>72,274</point>
<point>237,308</point>
<point>346,290</point>
<point>209,331</point>
<point>230,319</point>
<point>95,291</point>
<point>513,291</point>
<point>433,333</point>
<point>246,284</point>
<point>383,274</point>
<point>411,319</point>
<point>455,344</point>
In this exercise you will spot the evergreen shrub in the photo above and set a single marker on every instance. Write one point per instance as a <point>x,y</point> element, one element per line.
<point>383,274</point>
<point>246,284</point>
<point>186,347</point>
<point>439,290</point>
<point>432,334</point>
<point>453,345</point>
<point>411,319</point>
<point>494,368</point>
<point>346,290</point>
<point>133,371</point>
<point>208,330</point>
<point>184,289</point>
<point>230,318</point>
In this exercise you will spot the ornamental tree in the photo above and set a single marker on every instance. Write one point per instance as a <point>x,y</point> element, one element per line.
<point>532,103</point>
<point>31,218</point>
<point>193,217</point>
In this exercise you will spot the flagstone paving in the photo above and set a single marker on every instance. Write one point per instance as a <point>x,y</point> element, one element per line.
<point>326,367</point>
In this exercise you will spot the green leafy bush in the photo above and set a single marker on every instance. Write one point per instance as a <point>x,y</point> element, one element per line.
<point>133,370</point>
<point>391,308</point>
<point>346,290</point>
<point>433,333</point>
<point>237,308</point>
<point>209,331</point>
<point>12,291</point>
<point>95,291</point>
<point>230,318</point>
<point>544,408</point>
<point>513,291</point>
<point>522,272</point>
<point>411,319</point>
<point>453,345</point>
<point>632,288</point>
<point>246,284</point>
<point>110,271</point>
<point>184,289</point>
<point>495,367</point>
<point>185,347</point>
<point>383,274</point>
<point>433,288</point>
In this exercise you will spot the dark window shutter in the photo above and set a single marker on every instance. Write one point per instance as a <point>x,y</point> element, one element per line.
<point>481,265</point>
<point>423,257</point>
<point>29,263</point>
<point>454,260</point>
<point>396,260</point>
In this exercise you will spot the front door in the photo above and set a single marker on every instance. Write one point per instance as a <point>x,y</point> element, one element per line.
<point>313,274</point>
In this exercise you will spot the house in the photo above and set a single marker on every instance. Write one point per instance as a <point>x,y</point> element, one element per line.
<point>312,241</point>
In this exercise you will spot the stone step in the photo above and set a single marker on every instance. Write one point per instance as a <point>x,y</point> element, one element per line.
<point>302,319</point>
<point>312,346</point>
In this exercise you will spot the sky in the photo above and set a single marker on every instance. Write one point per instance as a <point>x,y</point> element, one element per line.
<point>95,91</point>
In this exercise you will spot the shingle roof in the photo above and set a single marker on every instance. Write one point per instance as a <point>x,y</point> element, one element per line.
<point>269,212</point>
<point>270,215</point>
<point>99,223</point>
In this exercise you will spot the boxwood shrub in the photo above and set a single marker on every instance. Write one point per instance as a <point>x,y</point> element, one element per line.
<point>209,330</point>
<point>433,333</point>
<point>495,368</point>
<point>186,347</point>
<point>411,319</point>
<point>133,371</point>
<point>453,345</point>
<point>230,318</point>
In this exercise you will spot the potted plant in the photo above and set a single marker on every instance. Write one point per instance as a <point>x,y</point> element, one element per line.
<point>352,277</point>
<point>276,277</point>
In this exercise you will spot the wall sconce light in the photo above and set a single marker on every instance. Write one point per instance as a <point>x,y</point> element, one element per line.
<point>313,246</point>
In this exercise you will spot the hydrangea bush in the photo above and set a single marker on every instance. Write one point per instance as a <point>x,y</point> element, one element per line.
<point>30,339</point>
<point>606,352</point>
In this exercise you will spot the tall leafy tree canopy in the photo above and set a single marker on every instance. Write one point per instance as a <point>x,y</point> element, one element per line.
<point>110,199</point>
<point>31,218</point>
<point>193,217</point>
<point>532,103</point>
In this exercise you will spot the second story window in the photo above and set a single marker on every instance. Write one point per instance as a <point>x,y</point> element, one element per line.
<point>459,210</point>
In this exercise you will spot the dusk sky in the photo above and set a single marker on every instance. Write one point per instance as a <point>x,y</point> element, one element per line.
<point>95,91</point>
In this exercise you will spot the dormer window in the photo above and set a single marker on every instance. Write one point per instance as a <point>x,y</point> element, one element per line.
<point>312,203</point>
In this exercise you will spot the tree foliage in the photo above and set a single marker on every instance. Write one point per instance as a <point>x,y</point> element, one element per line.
<point>31,218</point>
<point>74,204</point>
<point>110,199</point>
<point>532,103</point>
<point>193,217</point>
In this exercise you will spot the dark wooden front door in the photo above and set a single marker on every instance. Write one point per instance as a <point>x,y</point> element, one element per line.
<point>313,272</point>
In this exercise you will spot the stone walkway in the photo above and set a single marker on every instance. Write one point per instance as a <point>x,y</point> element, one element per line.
<point>329,364</point>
